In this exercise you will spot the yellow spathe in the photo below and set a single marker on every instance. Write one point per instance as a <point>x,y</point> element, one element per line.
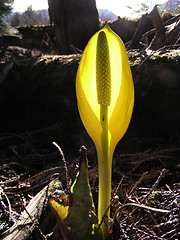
<point>122,90</point>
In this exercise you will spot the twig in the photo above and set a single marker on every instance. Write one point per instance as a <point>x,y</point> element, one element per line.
<point>141,206</point>
<point>8,202</point>
<point>163,172</point>
<point>36,175</point>
<point>138,182</point>
<point>147,195</point>
<point>65,164</point>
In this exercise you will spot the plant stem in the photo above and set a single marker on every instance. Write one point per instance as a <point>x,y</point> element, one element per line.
<point>105,166</point>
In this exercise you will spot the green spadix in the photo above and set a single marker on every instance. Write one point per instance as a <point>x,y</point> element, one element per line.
<point>105,97</point>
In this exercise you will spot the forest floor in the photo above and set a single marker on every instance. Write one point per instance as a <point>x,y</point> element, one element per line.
<point>145,188</point>
<point>38,106</point>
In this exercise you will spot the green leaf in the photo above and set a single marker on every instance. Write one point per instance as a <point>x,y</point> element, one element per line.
<point>75,212</point>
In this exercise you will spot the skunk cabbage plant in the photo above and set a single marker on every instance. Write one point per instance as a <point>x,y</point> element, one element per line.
<point>105,97</point>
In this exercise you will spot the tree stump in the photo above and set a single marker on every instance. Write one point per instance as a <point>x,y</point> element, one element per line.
<point>74,23</point>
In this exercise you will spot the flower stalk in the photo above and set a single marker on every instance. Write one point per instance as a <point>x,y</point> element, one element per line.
<point>104,166</point>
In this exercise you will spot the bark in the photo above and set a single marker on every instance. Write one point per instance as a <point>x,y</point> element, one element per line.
<point>74,22</point>
<point>139,32</point>
<point>37,215</point>
<point>164,35</point>
<point>24,227</point>
<point>160,37</point>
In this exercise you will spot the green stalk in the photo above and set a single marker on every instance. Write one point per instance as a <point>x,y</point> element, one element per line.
<point>105,166</point>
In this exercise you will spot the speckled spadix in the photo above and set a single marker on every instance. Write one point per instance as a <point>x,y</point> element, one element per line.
<point>105,97</point>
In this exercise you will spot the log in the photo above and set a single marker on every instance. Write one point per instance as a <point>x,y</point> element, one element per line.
<point>38,96</point>
<point>40,93</point>
<point>157,87</point>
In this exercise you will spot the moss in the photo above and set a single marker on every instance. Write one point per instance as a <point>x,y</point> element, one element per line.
<point>63,59</point>
<point>168,54</point>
